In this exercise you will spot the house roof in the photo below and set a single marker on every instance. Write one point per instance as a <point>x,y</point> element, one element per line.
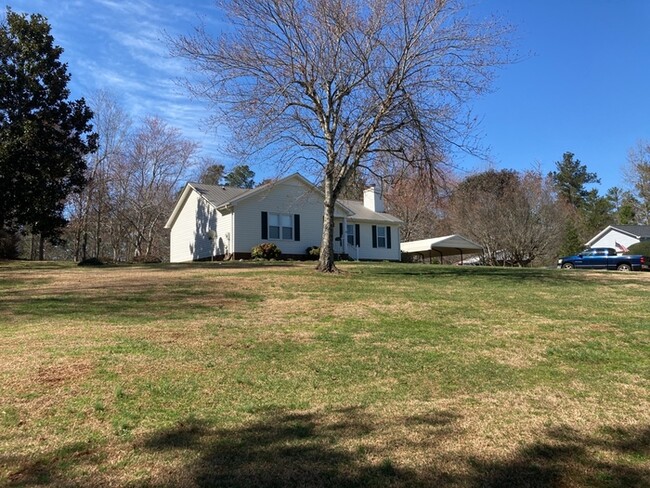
<point>636,231</point>
<point>218,195</point>
<point>214,194</point>
<point>224,196</point>
<point>442,246</point>
<point>361,213</point>
<point>268,186</point>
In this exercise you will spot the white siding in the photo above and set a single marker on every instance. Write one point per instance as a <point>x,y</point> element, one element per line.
<point>289,197</point>
<point>366,251</point>
<point>612,237</point>
<point>189,238</point>
<point>223,239</point>
<point>200,231</point>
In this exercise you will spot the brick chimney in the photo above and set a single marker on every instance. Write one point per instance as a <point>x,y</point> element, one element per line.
<point>372,199</point>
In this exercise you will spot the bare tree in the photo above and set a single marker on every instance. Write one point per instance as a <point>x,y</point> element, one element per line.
<point>146,178</point>
<point>113,126</point>
<point>332,84</point>
<point>91,209</point>
<point>420,205</point>
<point>639,173</point>
<point>474,209</point>
<point>532,219</point>
<point>516,217</point>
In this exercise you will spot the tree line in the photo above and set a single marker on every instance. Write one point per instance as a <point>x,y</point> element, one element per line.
<point>133,182</point>
<point>351,93</point>
<point>524,217</point>
<point>79,178</point>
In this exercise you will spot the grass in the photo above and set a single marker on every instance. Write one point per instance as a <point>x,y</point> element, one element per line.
<point>243,374</point>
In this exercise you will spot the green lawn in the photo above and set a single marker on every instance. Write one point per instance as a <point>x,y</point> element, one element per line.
<point>245,374</point>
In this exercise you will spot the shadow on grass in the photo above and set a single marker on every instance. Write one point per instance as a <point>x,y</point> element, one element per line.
<point>614,457</point>
<point>223,265</point>
<point>282,450</point>
<point>49,468</point>
<point>546,275</point>
<point>120,303</point>
<point>285,449</point>
<point>289,449</point>
<point>21,265</point>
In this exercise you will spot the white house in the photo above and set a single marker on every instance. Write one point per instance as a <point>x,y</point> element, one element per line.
<point>620,237</point>
<point>215,222</point>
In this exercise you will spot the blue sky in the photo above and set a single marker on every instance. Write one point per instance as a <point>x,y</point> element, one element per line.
<point>582,83</point>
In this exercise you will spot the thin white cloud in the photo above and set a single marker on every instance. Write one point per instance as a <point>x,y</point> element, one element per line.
<point>120,46</point>
<point>127,9</point>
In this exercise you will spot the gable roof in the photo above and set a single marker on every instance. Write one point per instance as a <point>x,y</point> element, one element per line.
<point>218,195</point>
<point>246,194</point>
<point>636,231</point>
<point>443,246</point>
<point>361,213</point>
<point>213,194</point>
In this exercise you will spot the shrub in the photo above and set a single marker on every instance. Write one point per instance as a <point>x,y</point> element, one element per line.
<point>91,262</point>
<point>9,245</point>
<point>313,253</point>
<point>640,248</point>
<point>266,250</point>
<point>147,259</point>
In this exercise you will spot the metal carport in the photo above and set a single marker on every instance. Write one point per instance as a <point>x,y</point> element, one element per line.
<point>451,245</point>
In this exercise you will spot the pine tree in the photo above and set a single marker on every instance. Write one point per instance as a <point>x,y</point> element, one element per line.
<point>240,176</point>
<point>570,179</point>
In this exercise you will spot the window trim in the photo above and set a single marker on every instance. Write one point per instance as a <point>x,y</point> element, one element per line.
<point>382,229</point>
<point>386,236</point>
<point>281,228</point>
<point>351,235</point>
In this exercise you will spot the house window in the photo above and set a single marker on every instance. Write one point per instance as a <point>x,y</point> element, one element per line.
<point>351,235</point>
<point>280,227</point>
<point>381,236</point>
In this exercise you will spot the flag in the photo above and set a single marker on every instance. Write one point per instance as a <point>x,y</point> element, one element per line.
<point>620,247</point>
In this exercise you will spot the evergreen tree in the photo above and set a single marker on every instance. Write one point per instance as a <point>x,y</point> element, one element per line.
<point>240,176</point>
<point>597,212</point>
<point>588,210</point>
<point>571,242</point>
<point>212,174</point>
<point>44,137</point>
<point>570,179</point>
<point>623,205</point>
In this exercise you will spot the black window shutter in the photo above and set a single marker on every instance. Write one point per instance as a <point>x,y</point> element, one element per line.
<point>388,237</point>
<point>374,236</point>
<point>357,232</point>
<point>265,225</point>
<point>296,227</point>
<point>341,230</point>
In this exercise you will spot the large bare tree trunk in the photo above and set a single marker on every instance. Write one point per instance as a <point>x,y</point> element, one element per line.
<point>326,258</point>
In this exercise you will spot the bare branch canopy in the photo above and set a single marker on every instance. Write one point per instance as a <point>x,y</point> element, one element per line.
<point>332,85</point>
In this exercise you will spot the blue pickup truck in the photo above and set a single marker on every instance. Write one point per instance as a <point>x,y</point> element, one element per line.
<point>605,258</point>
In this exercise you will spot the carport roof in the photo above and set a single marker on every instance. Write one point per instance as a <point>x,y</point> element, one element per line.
<point>441,246</point>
